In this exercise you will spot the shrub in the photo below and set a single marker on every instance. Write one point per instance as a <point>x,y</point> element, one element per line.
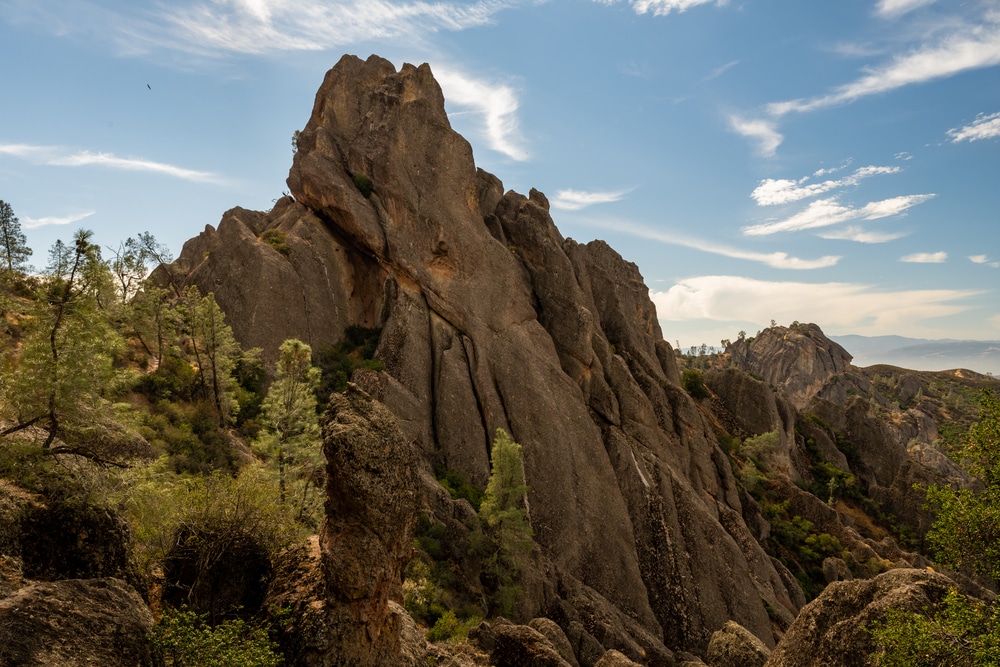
<point>363,184</point>
<point>183,638</point>
<point>276,239</point>
<point>694,384</point>
<point>457,486</point>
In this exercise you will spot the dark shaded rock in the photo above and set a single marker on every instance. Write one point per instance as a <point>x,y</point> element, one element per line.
<point>734,646</point>
<point>523,646</point>
<point>614,658</point>
<point>75,623</point>
<point>556,637</point>
<point>831,630</point>
<point>69,539</point>
<point>585,647</point>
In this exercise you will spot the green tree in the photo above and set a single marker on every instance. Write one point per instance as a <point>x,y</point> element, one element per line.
<point>14,248</point>
<point>291,419</point>
<point>216,352</point>
<point>65,364</point>
<point>504,510</point>
<point>965,535</point>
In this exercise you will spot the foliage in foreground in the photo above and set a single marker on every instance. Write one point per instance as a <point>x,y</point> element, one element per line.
<point>961,632</point>
<point>185,639</point>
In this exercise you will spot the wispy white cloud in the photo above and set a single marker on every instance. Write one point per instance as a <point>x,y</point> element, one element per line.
<point>926,258</point>
<point>773,191</point>
<point>983,259</point>
<point>855,306</point>
<point>496,103</point>
<point>720,70</point>
<point>34,223</point>
<point>776,260</point>
<point>984,127</point>
<point>860,235</point>
<point>826,212</point>
<point>574,200</point>
<point>972,46</point>
<point>62,157</point>
<point>761,130</point>
<point>663,7</point>
<point>894,8</point>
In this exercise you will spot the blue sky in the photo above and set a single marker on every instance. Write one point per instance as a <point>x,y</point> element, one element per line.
<point>833,162</point>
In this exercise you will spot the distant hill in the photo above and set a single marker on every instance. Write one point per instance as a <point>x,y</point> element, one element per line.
<point>982,356</point>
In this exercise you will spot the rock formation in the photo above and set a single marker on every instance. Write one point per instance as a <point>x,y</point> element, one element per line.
<point>342,590</point>
<point>491,319</point>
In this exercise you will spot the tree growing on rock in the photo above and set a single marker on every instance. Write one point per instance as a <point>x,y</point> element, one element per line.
<point>14,250</point>
<point>504,510</point>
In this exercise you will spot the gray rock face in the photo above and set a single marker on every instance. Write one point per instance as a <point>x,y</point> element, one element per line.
<point>75,623</point>
<point>830,630</point>
<point>491,319</point>
<point>733,646</point>
<point>524,646</point>
<point>343,588</point>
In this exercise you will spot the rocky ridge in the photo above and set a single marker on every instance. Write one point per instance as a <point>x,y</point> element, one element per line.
<point>647,543</point>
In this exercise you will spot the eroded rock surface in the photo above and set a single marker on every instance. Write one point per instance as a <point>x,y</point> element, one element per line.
<point>491,319</point>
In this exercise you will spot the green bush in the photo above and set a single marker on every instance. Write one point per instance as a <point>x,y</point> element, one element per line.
<point>338,362</point>
<point>276,239</point>
<point>183,638</point>
<point>363,184</point>
<point>694,384</point>
<point>457,486</point>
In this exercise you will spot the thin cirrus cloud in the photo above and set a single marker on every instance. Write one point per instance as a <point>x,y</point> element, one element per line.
<point>776,260</point>
<point>853,306</point>
<point>926,258</point>
<point>772,191</point>
<point>58,156</point>
<point>495,103</point>
<point>972,46</point>
<point>860,235</point>
<point>35,223</point>
<point>574,200</point>
<point>762,131</point>
<point>826,212</point>
<point>663,7</point>
<point>984,127</point>
<point>894,8</point>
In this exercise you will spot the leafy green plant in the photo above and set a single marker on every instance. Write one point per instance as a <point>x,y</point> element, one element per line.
<point>276,238</point>
<point>694,383</point>
<point>457,486</point>
<point>183,638</point>
<point>338,362</point>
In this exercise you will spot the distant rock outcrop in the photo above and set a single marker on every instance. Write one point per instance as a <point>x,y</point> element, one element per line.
<point>491,319</point>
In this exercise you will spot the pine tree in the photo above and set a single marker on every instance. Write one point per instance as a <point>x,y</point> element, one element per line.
<point>14,250</point>
<point>291,418</point>
<point>504,510</point>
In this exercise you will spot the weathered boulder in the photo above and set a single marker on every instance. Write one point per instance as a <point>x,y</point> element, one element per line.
<point>614,658</point>
<point>74,623</point>
<point>524,646</point>
<point>734,646</point>
<point>556,637</point>
<point>831,630</point>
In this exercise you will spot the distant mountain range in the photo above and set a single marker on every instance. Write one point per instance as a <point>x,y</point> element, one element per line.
<point>919,354</point>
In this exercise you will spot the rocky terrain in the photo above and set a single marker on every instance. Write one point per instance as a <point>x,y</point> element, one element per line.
<point>654,543</point>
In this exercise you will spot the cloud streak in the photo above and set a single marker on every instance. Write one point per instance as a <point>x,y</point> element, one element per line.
<point>496,104</point>
<point>58,156</point>
<point>764,132</point>
<point>926,258</point>
<point>663,7</point>
<point>983,259</point>
<point>894,8</point>
<point>833,305</point>
<point>35,223</point>
<point>973,46</point>
<point>776,260</point>
<point>773,191</point>
<point>984,127</point>
<point>574,200</point>
<point>826,212</point>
